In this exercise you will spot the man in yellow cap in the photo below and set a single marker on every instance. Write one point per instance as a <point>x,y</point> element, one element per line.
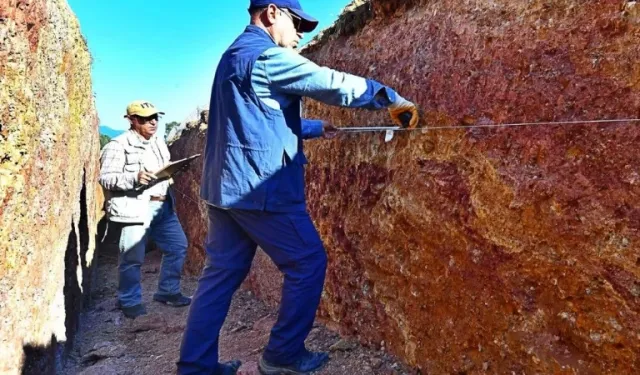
<point>142,207</point>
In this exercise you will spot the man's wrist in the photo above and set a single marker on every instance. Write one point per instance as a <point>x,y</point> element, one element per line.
<point>316,128</point>
<point>399,102</point>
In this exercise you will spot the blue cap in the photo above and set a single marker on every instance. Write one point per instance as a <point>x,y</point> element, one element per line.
<point>307,23</point>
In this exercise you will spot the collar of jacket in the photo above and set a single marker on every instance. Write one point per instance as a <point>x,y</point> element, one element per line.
<point>260,31</point>
<point>136,140</point>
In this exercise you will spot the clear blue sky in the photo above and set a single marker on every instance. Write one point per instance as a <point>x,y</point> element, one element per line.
<point>165,51</point>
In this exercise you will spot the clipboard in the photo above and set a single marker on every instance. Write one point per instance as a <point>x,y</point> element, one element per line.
<point>169,171</point>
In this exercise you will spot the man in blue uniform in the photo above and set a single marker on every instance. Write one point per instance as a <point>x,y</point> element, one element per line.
<point>253,182</point>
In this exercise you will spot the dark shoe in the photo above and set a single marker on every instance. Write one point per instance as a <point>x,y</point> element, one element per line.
<point>311,361</point>
<point>228,368</point>
<point>134,311</point>
<point>176,300</point>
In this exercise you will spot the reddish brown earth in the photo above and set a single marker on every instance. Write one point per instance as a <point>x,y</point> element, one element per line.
<point>510,250</point>
<point>110,344</point>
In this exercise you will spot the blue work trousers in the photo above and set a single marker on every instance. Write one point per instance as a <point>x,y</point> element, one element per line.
<point>165,230</point>
<point>292,242</point>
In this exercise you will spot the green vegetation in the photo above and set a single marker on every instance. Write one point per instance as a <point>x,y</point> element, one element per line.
<point>169,127</point>
<point>104,139</point>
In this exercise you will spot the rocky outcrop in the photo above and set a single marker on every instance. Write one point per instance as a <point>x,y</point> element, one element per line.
<point>506,250</point>
<point>191,210</point>
<point>48,172</point>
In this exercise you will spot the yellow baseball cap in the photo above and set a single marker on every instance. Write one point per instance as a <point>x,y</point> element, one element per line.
<point>142,108</point>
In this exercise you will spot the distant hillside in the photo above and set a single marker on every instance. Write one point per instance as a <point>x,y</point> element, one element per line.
<point>109,132</point>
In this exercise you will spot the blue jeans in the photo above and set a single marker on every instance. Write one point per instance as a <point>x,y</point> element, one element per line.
<point>292,242</point>
<point>166,231</point>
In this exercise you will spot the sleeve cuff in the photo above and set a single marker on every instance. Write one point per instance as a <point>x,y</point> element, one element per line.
<point>377,96</point>
<point>388,94</point>
<point>312,128</point>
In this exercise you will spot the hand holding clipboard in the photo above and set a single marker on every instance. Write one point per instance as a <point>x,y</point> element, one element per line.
<point>169,171</point>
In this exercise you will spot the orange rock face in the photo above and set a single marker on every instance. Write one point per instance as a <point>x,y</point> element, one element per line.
<point>513,249</point>
<point>191,210</point>
<point>486,250</point>
<point>49,197</point>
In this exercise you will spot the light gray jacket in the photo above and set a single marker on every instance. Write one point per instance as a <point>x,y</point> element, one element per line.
<point>120,162</point>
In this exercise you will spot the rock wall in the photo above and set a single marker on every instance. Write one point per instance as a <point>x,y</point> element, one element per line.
<point>509,250</point>
<point>49,198</point>
<point>191,210</point>
<point>501,250</point>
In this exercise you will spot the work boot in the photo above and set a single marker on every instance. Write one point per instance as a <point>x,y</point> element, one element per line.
<point>228,368</point>
<point>310,361</point>
<point>134,311</point>
<point>176,300</point>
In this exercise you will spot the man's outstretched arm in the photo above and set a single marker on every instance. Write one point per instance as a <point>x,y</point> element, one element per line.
<point>287,72</point>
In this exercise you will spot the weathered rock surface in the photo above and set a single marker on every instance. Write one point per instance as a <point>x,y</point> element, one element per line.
<point>191,210</point>
<point>511,250</point>
<point>48,173</point>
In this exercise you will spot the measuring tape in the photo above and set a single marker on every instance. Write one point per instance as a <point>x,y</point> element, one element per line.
<point>391,129</point>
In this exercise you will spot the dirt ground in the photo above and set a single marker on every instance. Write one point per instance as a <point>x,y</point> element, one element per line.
<point>108,343</point>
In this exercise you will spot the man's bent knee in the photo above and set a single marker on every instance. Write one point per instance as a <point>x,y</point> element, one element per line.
<point>313,265</point>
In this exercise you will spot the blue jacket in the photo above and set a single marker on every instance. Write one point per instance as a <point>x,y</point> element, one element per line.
<point>254,156</point>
